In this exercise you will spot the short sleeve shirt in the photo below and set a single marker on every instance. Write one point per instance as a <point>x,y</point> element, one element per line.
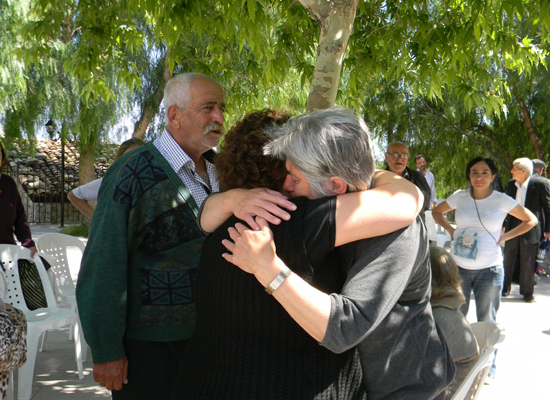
<point>479,223</point>
<point>88,192</point>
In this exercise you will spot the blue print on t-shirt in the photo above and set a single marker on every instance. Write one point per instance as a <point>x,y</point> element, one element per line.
<point>466,246</point>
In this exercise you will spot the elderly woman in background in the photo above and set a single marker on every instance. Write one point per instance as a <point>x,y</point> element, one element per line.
<point>446,300</point>
<point>13,219</point>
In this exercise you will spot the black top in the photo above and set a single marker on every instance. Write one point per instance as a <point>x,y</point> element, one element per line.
<point>245,345</point>
<point>13,219</point>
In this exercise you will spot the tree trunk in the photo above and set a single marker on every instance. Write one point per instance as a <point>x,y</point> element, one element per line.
<point>537,144</point>
<point>336,20</point>
<point>86,170</point>
<point>151,106</point>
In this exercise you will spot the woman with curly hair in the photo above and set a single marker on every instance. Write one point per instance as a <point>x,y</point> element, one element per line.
<point>245,346</point>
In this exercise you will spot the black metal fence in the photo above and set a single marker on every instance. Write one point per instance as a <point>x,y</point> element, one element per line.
<point>42,198</point>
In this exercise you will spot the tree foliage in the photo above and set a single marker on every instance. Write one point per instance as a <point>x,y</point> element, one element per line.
<point>432,45</point>
<point>449,135</point>
<point>459,73</point>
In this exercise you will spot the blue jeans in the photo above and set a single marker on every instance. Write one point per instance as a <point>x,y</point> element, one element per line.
<point>487,286</point>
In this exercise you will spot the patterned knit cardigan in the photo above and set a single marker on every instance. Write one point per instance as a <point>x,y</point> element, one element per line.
<point>141,258</point>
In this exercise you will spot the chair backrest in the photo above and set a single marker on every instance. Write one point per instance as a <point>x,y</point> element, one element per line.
<point>56,245</point>
<point>9,258</point>
<point>60,284</point>
<point>489,336</point>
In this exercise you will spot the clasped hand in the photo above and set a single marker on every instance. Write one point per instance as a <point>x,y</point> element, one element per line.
<point>249,249</point>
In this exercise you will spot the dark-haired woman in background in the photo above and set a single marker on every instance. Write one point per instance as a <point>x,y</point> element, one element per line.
<point>13,219</point>
<point>480,212</point>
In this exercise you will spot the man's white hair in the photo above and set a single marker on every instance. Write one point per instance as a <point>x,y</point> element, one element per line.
<point>524,163</point>
<point>177,91</point>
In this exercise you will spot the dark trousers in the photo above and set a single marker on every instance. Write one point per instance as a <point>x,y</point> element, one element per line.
<point>152,369</point>
<point>527,254</point>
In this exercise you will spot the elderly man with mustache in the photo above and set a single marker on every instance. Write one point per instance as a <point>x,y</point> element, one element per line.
<point>134,290</point>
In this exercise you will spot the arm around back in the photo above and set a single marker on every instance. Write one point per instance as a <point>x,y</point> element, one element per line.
<point>393,204</point>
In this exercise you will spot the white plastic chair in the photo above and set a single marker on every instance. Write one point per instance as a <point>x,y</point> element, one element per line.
<point>56,245</point>
<point>38,321</point>
<point>489,336</point>
<point>66,299</point>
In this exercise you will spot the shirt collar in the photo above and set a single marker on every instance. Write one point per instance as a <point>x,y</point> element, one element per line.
<point>175,155</point>
<point>524,186</point>
<point>405,175</point>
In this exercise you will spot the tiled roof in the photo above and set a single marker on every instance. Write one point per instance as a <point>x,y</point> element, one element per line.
<point>40,174</point>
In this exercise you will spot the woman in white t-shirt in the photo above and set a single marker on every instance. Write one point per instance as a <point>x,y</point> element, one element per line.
<point>480,212</point>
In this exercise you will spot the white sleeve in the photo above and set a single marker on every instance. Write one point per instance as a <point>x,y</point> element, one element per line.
<point>454,199</point>
<point>508,203</point>
<point>88,191</point>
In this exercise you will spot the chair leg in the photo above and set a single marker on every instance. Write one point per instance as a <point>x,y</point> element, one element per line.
<point>42,342</point>
<point>10,393</point>
<point>73,308</point>
<point>78,348</point>
<point>84,344</point>
<point>26,371</point>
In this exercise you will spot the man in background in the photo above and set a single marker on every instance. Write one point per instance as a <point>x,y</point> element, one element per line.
<point>420,161</point>
<point>397,156</point>
<point>532,192</point>
<point>538,167</point>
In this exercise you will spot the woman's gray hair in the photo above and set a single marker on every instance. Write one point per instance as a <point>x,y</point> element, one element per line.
<point>524,163</point>
<point>323,144</point>
<point>177,91</point>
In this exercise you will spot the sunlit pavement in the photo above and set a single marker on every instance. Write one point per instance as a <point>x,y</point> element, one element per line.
<point>523,360</point>
<point>522,365</point>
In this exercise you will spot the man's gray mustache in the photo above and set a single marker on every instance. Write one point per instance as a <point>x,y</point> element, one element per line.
<point>213,127</point>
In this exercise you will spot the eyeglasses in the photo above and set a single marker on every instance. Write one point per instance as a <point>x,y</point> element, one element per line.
<point>480,175</point>
<point>403,156</point>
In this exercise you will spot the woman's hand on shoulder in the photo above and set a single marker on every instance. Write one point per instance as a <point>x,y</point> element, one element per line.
<point>245,204</point>
<point>250,250</point>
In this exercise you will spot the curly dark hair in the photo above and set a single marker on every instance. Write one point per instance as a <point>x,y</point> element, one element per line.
<point>241,162</point>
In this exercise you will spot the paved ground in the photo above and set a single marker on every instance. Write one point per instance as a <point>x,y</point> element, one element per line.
<point>523,361</point>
